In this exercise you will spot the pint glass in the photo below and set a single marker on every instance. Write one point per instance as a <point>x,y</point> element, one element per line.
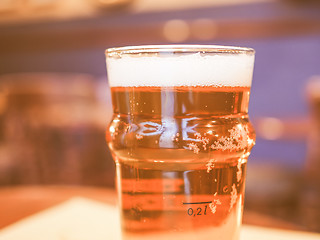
<point>180,137</point>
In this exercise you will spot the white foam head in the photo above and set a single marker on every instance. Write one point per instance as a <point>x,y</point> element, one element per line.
<point>192,69</point>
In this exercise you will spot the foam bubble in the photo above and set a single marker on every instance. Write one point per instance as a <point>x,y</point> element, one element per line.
<point>184,70</point>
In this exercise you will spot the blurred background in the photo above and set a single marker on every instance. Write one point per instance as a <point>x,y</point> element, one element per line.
<point>55,104</point>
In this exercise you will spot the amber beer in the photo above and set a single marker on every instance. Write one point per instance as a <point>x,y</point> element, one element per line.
<point>180,137</point>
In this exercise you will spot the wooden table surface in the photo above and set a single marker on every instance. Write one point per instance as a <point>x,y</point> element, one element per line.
<point>19,202</point>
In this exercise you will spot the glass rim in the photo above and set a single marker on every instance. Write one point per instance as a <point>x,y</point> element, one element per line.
<point>187,48</point>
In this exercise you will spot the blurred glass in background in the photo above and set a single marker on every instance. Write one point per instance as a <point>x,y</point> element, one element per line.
<point>52,130</point>
<point>52,124</point>
<point>310,195</point>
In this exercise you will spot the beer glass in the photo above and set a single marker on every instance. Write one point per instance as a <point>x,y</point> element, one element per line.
<point>180,137</point>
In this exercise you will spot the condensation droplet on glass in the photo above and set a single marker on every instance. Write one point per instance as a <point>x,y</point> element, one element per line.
<point>139,136</point>
<point>239,171</point>
<point>237,140</point>
<point>210,165</point>
<point>213,205</point>
<point>194,147</point>
<point>233,197</point>
<point>225,189</point>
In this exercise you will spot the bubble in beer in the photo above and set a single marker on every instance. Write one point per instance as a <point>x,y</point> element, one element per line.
<point>213,205</point>
<point>210,165</point>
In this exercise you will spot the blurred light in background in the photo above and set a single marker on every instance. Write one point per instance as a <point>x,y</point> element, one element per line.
<point>270,128</point>
<point>201,29</point>
<point>204,29</point>
<point>176,30</point>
